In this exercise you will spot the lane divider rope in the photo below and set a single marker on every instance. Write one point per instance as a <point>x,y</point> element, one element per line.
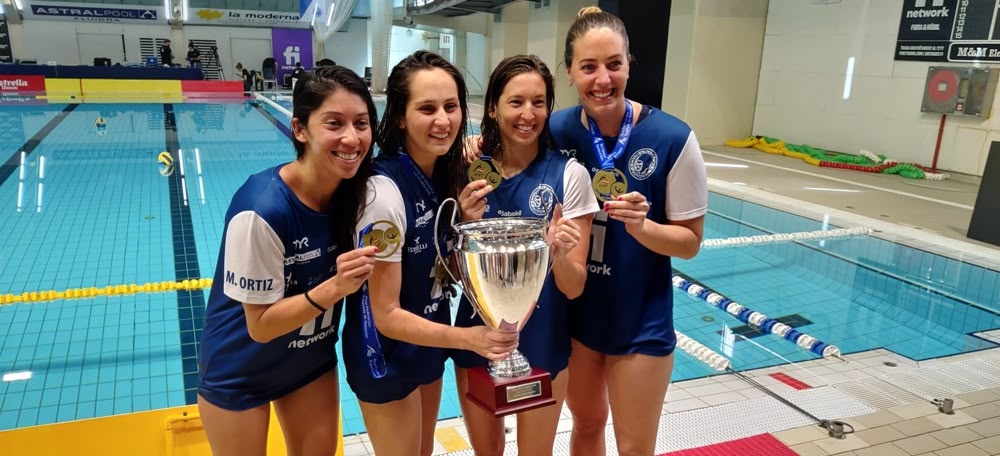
<point>743,241</point>
<point>110,290</point>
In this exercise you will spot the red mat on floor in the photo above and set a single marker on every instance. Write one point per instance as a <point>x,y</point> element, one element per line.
<point>758,445</point>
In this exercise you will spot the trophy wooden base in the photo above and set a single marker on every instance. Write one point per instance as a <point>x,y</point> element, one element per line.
<point>506,396</point>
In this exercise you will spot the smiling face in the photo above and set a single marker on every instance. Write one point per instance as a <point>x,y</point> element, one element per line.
<point>600,71</point>
<point>337,135</point>
<point>433,114</point>
<point>522,110</point>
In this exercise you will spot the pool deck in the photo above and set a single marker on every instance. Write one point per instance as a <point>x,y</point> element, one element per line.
<point>885,397</point>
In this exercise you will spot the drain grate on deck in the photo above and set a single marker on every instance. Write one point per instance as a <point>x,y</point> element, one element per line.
<point>976,372</point>
<point>878,393</point>
<point>827,402</point>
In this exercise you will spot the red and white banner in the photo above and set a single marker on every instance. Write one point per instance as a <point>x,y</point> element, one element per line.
<point>12,84</point>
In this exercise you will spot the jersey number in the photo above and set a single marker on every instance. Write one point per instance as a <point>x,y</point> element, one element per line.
<point>597,232</point>
<point>309,328</point>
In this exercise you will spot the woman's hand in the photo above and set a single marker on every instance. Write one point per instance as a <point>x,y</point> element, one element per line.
<point>630,209</point>
<point>473,148</point>
<point>563,234</point>
<point>353,269</point>
<point>472,200</point>
<point>489,343</point>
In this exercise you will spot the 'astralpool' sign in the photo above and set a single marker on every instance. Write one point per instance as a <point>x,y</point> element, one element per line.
<point>94,13</point>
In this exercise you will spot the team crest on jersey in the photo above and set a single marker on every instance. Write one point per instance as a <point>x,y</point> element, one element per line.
<point>642,164</point>
<point>542,199</point>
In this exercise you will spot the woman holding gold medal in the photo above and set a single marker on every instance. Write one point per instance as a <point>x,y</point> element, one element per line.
<point>285,265</point>
<point>520,174</point>
<point>397,329</point>
<point>650,178</point>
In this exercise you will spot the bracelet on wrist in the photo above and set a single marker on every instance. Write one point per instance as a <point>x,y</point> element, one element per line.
<point>314,303</point>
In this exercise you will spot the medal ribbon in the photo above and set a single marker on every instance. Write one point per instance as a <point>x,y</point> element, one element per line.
<point>421,178</point>
<point>608,161</point>
<point>425,184</point>
<point>373,349</point>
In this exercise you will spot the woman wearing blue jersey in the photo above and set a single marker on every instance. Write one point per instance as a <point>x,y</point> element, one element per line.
<point>650,176</point>
<point>398,328</point>
<point>516,136</point>
<point>274,309</point>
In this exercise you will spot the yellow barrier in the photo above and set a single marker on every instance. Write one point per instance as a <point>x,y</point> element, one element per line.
<point>167,432</point>
<point>130,89</point>
<point>62,90</point>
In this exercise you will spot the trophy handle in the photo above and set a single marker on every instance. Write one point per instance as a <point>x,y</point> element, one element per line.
<point>437,245</point>
<point>549,212</point>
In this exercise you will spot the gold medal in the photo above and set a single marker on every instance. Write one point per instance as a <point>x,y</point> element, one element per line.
<point>609,184</point>
<point>485,168</point>
<point>384,235</point>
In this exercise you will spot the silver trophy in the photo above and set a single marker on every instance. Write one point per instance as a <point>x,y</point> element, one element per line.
<point>502,264</point>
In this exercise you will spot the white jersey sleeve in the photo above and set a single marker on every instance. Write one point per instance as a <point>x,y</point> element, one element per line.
<point>254,260</point>
<point>383,206</point>
<point>687,184</point>
<point>578,195</point>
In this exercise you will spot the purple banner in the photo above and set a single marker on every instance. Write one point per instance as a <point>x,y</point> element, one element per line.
<point>291,46</point>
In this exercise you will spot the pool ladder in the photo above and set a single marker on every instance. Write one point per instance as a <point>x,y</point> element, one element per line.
<point>185,422</point>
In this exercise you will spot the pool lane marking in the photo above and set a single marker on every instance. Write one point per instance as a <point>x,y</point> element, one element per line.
<point>14,161</point>
<point>280,126</point>
<point>190,303</point>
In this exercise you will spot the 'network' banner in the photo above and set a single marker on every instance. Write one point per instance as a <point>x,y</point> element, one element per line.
<point>949,31</point>
<point>290,47</point>
<point>215,16</point>
<point>80,12</point>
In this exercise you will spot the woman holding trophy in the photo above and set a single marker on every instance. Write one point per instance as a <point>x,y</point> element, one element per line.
<point>397,328</point>
<point>520,174</point>
<point>650,177</point>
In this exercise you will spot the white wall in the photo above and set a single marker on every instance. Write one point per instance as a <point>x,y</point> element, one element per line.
<point>404,44</point>
<point>57,40</point>
<point>713,60</point>
<point>350,48</point>
<point>803,70</point>
<point>475,64</point>
<point>224,38</point>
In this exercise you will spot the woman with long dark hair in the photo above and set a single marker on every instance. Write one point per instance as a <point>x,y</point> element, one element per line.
<point>398,329</point>
<point>534,179</point>
<point>285,266</point>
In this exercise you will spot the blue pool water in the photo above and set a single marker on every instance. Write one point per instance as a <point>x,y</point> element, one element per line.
<point>83,209</point>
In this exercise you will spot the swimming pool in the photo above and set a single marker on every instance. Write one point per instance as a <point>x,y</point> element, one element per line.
<point>81,207</point>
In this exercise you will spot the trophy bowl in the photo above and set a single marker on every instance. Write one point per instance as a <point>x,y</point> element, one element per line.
<point>502,264</point>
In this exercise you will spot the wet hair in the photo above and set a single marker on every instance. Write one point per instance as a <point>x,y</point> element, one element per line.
<point>449,170</point>
<point>590,18</point>
<point>506,70</point>
<point>313,88</point>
